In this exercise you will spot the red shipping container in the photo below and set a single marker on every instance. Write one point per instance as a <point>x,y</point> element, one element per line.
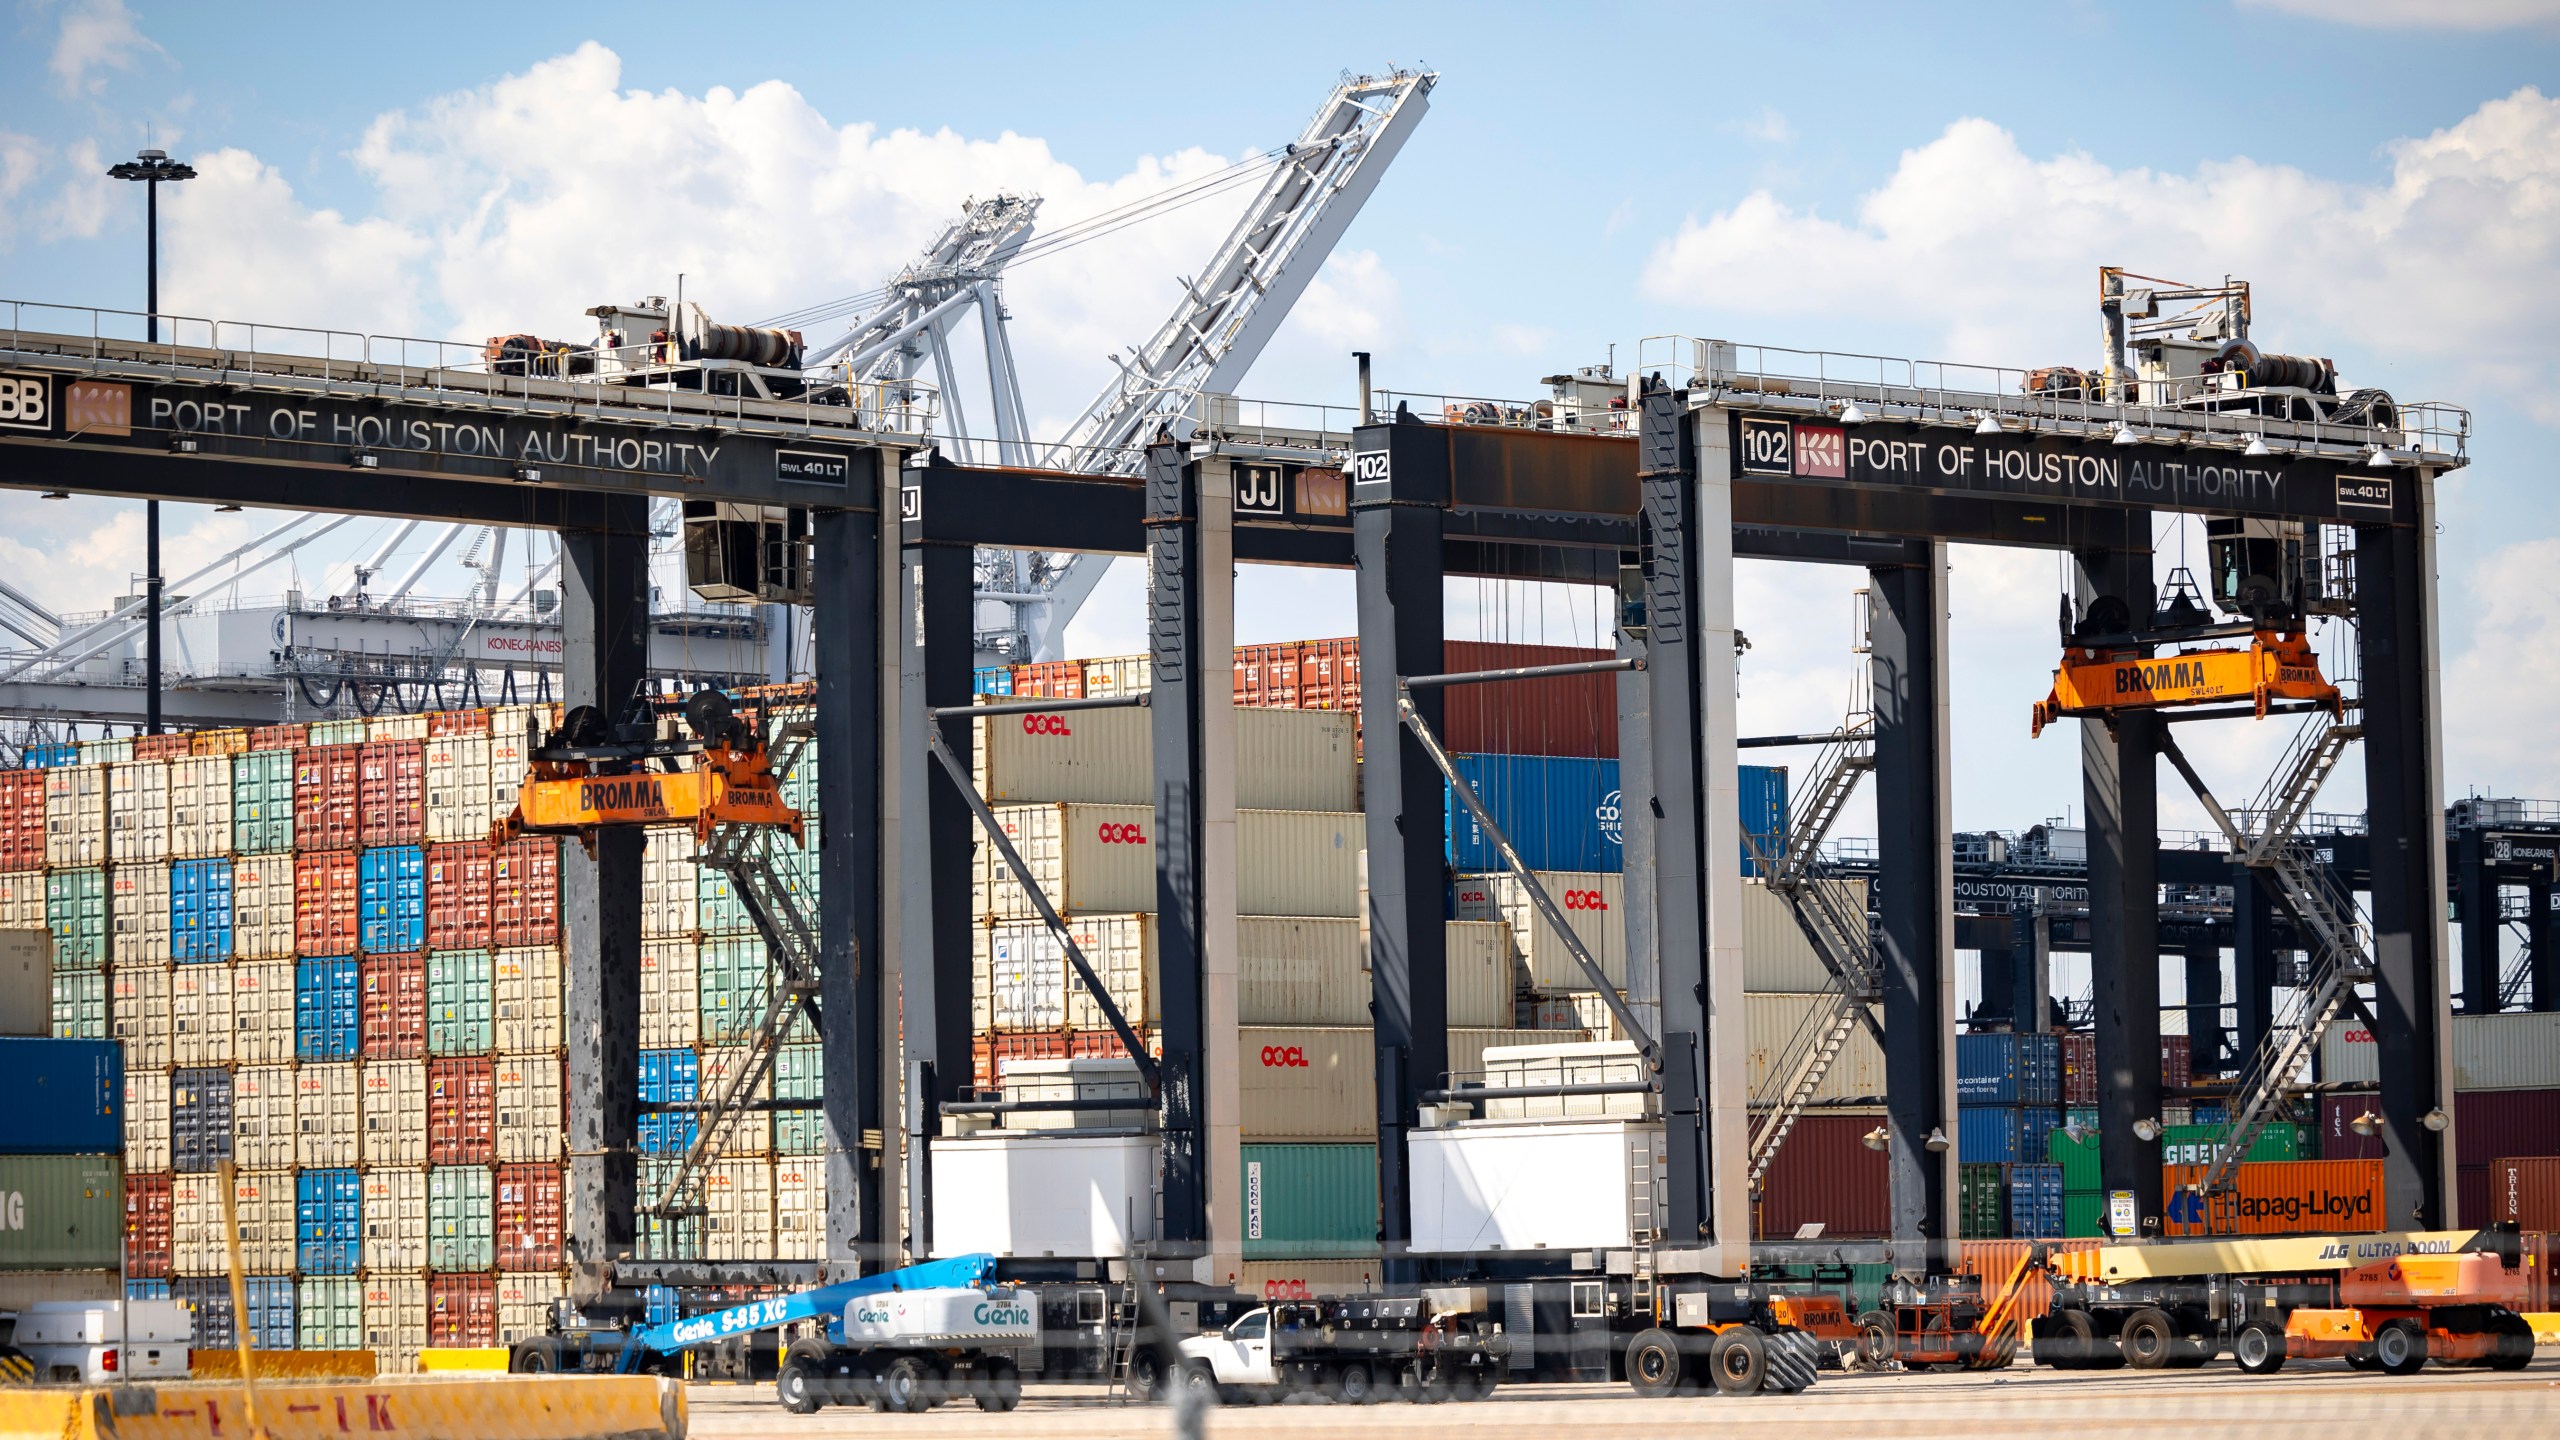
<point>462,1311</point>
<point>1825,1174</point>
<point>147,1239</point>
<point>393,1003</point>
<point>2474,1190</point>
<point>1329,675</point>
<point>276,737</point>
<point>391,792</point>
<point>163,747</point>
<point>21,819</point>
<point>532,1210</point>
<point>324,903</point>
<point>524,892</point>
<point>462,1109</point>
<point>2338,1137</point>
<point>2493,1125</point>
<point>2080,1066</point>
<point>989,1051</point>
<point>2177,1061</point>
<point>1050,680</point>
<point>458,894</point>
<point>325,781</point>
<point>441,723</point>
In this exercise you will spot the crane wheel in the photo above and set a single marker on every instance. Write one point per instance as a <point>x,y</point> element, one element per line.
<point>1792,1362</point>
<point>1876,1340</point>
<point>1654,1364</point>
<point>2258,1349</point>
<point>2400,1348</point>
<point>906,1386</point>
<point>1738,1360</point>
<point>2150,1339</point>
<point>996,1385</point>
<point>2514,1343</point>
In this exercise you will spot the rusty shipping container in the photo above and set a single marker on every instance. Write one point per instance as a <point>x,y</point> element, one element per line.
<point>2523,1190</point>
<point>1825,1175</point>
<point>524,898</point>
<point>462,1108</point>
<point>459,893</point>
<point>2280,1197</point>
<point>392,999</point>
<point>147,1244</point>
<point>326,781</point>
<point>2488,1125</point>
<point>462,1311</point>
<point>391,792</point>
<point>21,819</point>
<point>325,907</point>
<point>531,1211</point>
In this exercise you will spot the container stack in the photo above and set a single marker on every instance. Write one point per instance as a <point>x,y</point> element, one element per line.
<point>2008,1104</point>
<point>60,1166</point>
<point>2506,1112</point>
<point>316,968</point>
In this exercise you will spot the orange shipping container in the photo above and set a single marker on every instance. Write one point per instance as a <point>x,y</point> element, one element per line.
<point>324,903</point>
<point>2276,1197</point>
<point>391,792</point>
<point>162,747</point>
<point>2524,1190</point>
<point>221,742</point>
<point>1996,1260</point>
<point>276,737</point>
<point>458,894</point>
<point>325,780</point>
<point>524,892</point>
<point>441,723</point>
<point>21,820</point>
<point>462,1311</point>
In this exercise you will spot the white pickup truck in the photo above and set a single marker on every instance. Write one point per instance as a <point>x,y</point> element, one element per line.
<point>1357,1351</point>
<point>103,1342</point>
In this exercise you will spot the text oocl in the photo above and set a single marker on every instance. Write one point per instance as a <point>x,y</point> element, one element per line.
<point>1121,834</point>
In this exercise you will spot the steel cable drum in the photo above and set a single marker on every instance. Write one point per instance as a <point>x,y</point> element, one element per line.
<point>752,344</point>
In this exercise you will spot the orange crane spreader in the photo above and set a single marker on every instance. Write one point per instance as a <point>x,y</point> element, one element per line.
<point>583,780</point>
<point>2276,665</point>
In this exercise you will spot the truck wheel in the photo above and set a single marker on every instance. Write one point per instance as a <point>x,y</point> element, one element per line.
<point>2150,1338</point>
<point>1875,1339</point>
<point>1654,1363</point>
<point>799,1386</point>
<point>906,1386</point>
<point>2358,1362</point>
<point>1738,1359</point>
<point>2514,1343</point>
<point>1146,1376</point>
<point>1202,1382</point>
<point>532,1361</point>
<point>1353,1384</point>
<point>2258,1349</point>
<point>1477,1382</point>
<point>2400,1348</point>
<point>996,1385</point>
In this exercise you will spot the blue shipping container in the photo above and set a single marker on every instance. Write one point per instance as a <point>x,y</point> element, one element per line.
<point>991,680</point>
<point>1561,812</point>
<point>2003,1134</point>
<point>2006,1069</point>
<point>199,1119</point>
<point>391,900</point>
<point>271,1316</point>
<point>47,757</point>
<point>146,1289</point>
<point>2035,1201</point>
<point>1763,795</point>
<point>329,1222</point>
<point>66,1097</point>
<point>327,1024</point>
<point>669,1075</point>
<point>200,911</point>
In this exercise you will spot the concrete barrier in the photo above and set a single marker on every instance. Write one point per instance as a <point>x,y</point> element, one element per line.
<point>481,1407</point>
<point>286,1364</point>
<point>438,1360</point>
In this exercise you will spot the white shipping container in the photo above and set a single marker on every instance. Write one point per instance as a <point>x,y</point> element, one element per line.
<point>1285,759</point>
<point>1007,1193</point>
<point>669,904</point>
<point>327,1110</point>
<point>22,900</point>
<point>75,816</point>
<point>524,1304</point>
<point>26,980</point>
<point>393,1109</point>
<point>739,1196</point>
<point>268,1232</point>
<point>395,1218</point>
<point>261,1012</point>
<point>1536,1185</point>
<point>262,907</point>
<point>139,1014</point>
<point>1116,675</point>
<point>532,1126</point>
<point>670,994</point>
<point>1483,975</point>
<point>800,1207</point>
<point>1589,1062</point>
<point>396,727</point>
<point>138,811</point>
<point>395,1320</point>
<point>138,911</point>
<point>199,807</point>
<point>1771,1025</point>
<point>1776,958</point>
<point>1304,1082</point>
<point>2518,1051</point>
<point>750,1133</point>
<point>195,1225</point>
<point>527,981</point>
<point>146,1120</point>
<point>1100,859</point>
<point>458,791</point>
<point>202,1028</point>
<point>1593,903</point>
<point>514,732</point>
<point>263,1123</point>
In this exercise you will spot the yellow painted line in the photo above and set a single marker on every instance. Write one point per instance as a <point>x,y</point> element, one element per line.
<point>480,1407</point>
<point>287,1364</point>
<point>490,1357</point>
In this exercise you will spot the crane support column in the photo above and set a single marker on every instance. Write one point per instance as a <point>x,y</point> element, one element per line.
<point>937,650</point>
<point>2204,1005</point>
<point>1915,890</point>
<point>2253,963</point>
<point>1684,468</point>
<point>847,635</point>
<point>1635,827</point>
<point>2539,933</point>
<point>2476,887</point>
<point>604,655</point>
<point>2119,788</point>
<point>2403,760</point>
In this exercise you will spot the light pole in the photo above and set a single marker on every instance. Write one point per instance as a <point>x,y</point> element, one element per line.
<point>152,167</point>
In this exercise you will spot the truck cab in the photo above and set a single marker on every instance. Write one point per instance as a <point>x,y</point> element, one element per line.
<point>1238,1355</point>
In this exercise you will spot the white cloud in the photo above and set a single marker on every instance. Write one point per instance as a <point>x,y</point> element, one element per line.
<point>240,246</point>
<point>21,159</point>
<point>2502,689</point>
<point>96,35</point>
<point>1769,127</point>
<point>2419,14</point>
<point>79,209</point>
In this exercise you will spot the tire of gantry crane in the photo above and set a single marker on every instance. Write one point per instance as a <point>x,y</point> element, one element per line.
<point>2400,1348</point>
<point>1738,1360</point>
<point>2258,1349</point>
<point>1876,1341</point>
<point>1146,1376</point>
<point>799,1385</point>
<point>906,1386</point>
<point>1353,1383</point>
<point>2514,1348</point>
<point>2150,1339</point>
<point>1791,1364</point>
<point>1654,1364</point>
<point>996,1385</point>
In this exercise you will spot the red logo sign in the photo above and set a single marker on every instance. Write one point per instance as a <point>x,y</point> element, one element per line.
<point>1284,1057</point>
<point>1822,451</point>
<point>1045,725</point>
<point>1584,900</point>
<point>1122,834</point>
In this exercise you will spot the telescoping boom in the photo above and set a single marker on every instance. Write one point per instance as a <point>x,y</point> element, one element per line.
<point>961,1271</point>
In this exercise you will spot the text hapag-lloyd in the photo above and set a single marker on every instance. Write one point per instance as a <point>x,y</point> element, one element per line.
<point>1918,459</point>
<point>497,440</point>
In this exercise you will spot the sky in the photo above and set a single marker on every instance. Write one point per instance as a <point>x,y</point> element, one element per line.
<point>1925,181</point>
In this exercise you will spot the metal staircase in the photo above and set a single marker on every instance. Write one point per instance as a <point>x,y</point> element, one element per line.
<point>744,853</point>
<point>2264,838</point>
<point>1835,926</point>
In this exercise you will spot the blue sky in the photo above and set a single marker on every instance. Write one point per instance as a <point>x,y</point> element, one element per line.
<point>1930,180</point>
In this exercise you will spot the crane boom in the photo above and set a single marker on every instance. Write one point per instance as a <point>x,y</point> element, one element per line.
<point>959,1271</point>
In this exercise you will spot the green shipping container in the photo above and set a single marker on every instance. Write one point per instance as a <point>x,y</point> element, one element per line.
<point>262,803</point>
<point>461,1224</point>
<point>75,910</point>
<point>735,978</point>
<point>663,1237</point>
<point>722,913</point>
<point>2179,1145</point>
<point>799,1073</point>
<point>2084,1214</point>
<point>1310,1201</point>
<point>458,1002</point>
<point>1982,1203</point>
<point>61,1212</point>
<point>331,1316</point>
<point>1861,1287</point>
<point>80,1005</point>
